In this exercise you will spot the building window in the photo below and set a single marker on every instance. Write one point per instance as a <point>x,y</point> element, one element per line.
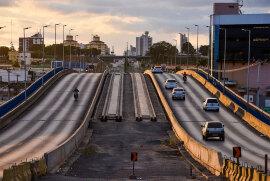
<point>260,39</point>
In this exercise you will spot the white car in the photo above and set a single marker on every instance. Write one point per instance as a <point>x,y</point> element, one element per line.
<point>157,70</point>
<point>213,129</point>
<point>178,93</point>
<point>211,104</point>
<point>170,84</point>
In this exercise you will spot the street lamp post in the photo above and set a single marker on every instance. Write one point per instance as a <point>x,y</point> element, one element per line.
<point>43,51</point>
<point>224,58</point>
<point>249,34</point>
<point>70,50</point>
<point>208,52</point>
<point>55,40</point>
<point>76,50</point>
<point>24,47</point>
<point>175,40</point>
<point>1,27</point>
<point>188,46</point>
<point>63,44</point>
<point>197,50</point>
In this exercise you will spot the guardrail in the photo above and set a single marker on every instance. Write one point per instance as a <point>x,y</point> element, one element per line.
<point>208,157</point>
<point>231,100</point>
<point>56,157</point>
<point>14,102</point>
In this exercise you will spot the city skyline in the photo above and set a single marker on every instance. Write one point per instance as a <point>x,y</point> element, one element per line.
<point>116,22</point>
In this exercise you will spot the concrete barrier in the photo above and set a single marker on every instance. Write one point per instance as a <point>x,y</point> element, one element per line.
<point>246,116</point>
<point>56,157</point>
<point>208,157</point>
<point>5,120</point>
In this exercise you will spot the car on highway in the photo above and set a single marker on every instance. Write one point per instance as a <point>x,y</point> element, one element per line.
<point>178,93</point>
<point>211,104</point>
<point>213,129</point>
<point>170,84</point>
<point>157,70</point>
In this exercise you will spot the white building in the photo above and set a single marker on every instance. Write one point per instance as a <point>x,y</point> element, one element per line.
<point>183,39</point>
<point>143,43</point>
<point>28,59</point>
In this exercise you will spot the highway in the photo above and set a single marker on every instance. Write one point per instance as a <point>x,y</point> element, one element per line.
<point>49,122</point>
<point>192,116</point>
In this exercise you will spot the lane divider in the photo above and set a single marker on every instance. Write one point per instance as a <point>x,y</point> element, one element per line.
<point>208,157</point>
<point>246,116</point>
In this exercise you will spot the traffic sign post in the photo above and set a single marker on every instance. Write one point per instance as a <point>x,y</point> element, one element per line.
<point>237,153</point>
<point>133,158</point>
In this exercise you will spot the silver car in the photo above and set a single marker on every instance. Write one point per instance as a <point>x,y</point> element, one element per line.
<point>211,104</point>
<point>178,93</point>
<point>170,84</point>
<point>213,129</point>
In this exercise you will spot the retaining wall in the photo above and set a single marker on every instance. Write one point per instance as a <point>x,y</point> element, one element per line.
<point>208,157</point>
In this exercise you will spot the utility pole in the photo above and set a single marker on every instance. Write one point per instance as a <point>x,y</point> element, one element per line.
<point>208,52</point>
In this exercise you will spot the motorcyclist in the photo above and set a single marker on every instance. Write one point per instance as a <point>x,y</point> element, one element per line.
<point>76,93</point>
<point>185,76</point>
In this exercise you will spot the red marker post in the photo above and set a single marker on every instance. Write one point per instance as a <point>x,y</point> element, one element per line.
<point>133,158</point>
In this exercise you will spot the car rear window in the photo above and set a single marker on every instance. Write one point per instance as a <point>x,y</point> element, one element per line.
<point>171,80</point>
<point>212,101</point>
<point>214,125</point>
<point>178,89</point>
<point>157,67</point>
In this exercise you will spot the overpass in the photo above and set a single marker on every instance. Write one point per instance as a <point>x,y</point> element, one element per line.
<point>54,124</point>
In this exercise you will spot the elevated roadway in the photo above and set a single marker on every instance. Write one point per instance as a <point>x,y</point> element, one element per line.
<point>48,122</point>
<point>191,116</point>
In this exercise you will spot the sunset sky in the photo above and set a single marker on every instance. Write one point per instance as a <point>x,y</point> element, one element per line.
<point>116,21</point>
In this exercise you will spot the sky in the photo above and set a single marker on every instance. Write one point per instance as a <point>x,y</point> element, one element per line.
<point>116,21</point>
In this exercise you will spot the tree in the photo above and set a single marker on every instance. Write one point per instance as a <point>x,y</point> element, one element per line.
<point>187,48</point>
<point>162,52</point>
<point>204,50</point>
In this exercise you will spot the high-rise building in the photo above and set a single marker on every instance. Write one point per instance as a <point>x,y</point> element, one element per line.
<point>183,39</point>
<point>143,43</point>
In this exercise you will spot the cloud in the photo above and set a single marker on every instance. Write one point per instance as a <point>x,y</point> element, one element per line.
<point>117,21</point>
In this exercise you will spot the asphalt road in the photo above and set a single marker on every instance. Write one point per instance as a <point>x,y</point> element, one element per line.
<point>48,122</point>
<point>191,116</point>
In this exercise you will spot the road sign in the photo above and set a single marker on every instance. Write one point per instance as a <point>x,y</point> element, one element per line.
<point>134,156</point>
<point>237,152</point>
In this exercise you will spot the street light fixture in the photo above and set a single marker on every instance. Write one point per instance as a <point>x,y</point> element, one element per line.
<point>208,51</point>
<point>224,58</point>
<point>197,51</point>
<point>175,40</point>
<point>188,29</point>
<point>25,77</point>
<point>43,50</point>
<point>55,40</point>
<point>70,49</point>
<point>63,44</point>
<point>249,34</point>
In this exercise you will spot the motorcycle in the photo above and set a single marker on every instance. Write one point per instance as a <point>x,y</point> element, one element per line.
<point>185,79</point>
<point>76,96</point>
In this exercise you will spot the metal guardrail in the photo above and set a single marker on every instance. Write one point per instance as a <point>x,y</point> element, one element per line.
<point>17,100</point>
